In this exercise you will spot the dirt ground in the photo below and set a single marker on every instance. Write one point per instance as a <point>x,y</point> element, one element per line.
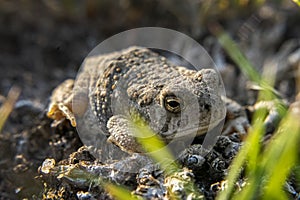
<point>43,43</point>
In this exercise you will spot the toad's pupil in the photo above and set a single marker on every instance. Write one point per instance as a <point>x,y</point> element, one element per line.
<point>174,104</point>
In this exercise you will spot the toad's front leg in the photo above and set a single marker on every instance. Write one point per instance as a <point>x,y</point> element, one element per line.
<point>122,134</point>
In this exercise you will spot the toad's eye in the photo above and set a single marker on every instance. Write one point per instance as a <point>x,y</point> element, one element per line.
<point>172,104</point>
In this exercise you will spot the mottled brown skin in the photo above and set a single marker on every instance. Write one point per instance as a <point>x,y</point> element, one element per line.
<point>137,81</point>
<point>61,103</point>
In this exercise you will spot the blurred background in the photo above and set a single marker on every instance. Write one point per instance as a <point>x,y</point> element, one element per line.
<point>44,42</point>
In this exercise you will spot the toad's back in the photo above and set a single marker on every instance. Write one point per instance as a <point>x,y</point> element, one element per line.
<point>171,99</point>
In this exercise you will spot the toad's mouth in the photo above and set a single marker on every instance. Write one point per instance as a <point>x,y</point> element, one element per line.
<point>192,131</point>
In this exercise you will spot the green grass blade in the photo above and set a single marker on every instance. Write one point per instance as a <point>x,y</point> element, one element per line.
<point>155,147</point>
<point>119,192</point>
<point>281,155</point>
<point>266,171</point>
<point>243,63</point>
<point>297,2</point>
<point>251,146</point>
<point>236,55</point>
<point>159,152</point>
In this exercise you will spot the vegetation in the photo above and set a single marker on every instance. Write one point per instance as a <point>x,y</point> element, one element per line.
<point>266,168</point>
